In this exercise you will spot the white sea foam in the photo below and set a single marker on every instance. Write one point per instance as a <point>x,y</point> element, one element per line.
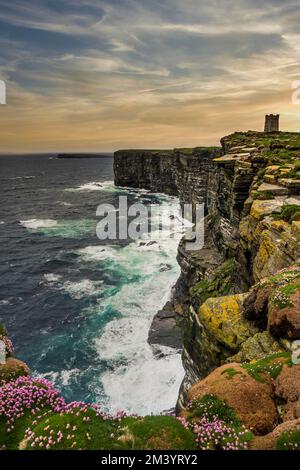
<point>64,203</point>
<point>137,380</point>
<point>77,290</point>
<point>98,253</point>
<point>95,186</point>
<point>35,224</point>
<point>83,288</point>
<point>68,375</point>
<point>76,228</point>
<point>63,377</point>
<point>89,187</point>
<point>51,277</point>
<point>121,337</point>
<point>109,186</point>
<point>147,386</point>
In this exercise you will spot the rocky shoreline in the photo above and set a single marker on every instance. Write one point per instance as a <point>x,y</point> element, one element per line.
<point>251,190</point>
<point>234,312</point>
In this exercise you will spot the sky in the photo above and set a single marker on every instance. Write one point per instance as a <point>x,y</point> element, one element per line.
<point>102,75</point>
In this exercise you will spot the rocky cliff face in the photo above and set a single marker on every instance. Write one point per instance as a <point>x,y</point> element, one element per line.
<point>251,189</point>
<point>180,172</point>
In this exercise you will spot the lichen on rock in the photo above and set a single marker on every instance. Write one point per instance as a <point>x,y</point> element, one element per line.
<point>223,317</point>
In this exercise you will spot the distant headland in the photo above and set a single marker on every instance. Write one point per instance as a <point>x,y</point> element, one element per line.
<point>84,155</point>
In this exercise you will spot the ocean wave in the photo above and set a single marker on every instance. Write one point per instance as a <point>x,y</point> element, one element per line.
<point>52,278</point>
<point>95,186</point>
<point>61,378</point>
<point>63,228</point>
<point>138,380</point>
<point>99,253</point>
<point>83,288</point>
<point>35,224</point>
<point>123,338</point>
<point>148,386</point>
<point>124,372</point>
<point>76,289</point>
<point>64,203</point>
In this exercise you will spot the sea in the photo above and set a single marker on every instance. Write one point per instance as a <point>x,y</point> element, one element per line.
<point>78,308</point>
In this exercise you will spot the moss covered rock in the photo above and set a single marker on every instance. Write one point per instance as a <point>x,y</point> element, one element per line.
<point>284,311</point>
<point>223,317</point>
<point>280,438</point>
<point>12,369</point>
<point>287,388</point>
<point>256,347</point>
<point>252,400</point>
<point>275,303</point>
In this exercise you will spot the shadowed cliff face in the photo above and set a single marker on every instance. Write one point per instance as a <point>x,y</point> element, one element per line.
<point>251,190</point>
<point>179,172</point>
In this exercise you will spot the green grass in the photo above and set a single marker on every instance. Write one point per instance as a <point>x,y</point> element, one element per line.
<point>211,406</point>
<point>288,213</point>
<point>281,296</point>
<point>268,365</point>
<point>231,372</point>
<point>289,441</point>
<point>210,409</point>
<point>94,434</point>
<point>152,432</point>
<point>286,276</point>
<point>218,284</point>
<point>12,439</point>
<point>280,156</point>
<point>157,432</point>
<point>268,195</point>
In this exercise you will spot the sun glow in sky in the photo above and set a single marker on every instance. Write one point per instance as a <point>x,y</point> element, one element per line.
<point>99,75</point>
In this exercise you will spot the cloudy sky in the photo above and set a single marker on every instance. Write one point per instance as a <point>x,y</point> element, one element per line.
<point>99,75</point>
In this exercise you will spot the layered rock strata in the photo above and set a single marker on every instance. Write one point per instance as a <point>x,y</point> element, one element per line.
<point>251,191</point>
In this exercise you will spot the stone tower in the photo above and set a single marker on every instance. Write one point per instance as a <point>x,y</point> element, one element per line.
<point>272,123</point>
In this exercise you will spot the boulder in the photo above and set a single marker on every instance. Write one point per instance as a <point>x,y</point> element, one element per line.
<point>252,400</point>
<point>275,303</point>
<point>260,208</point>
<point>165,329</point>
<point>257,347</point>
<point>269,441</point>
<point>223,317</point>
<point>256,305</point>
<point>284,311</point>
<point>12,369</point>
<point>287,388</point>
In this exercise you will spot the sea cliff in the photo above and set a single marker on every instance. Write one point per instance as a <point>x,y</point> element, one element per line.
<point>251,190</point>
<point>235,312</point>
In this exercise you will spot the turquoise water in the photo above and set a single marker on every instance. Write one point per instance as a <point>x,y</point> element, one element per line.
<point>80,309</point>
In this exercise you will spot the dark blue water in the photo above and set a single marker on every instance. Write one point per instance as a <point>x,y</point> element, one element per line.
<point>78,309</point>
